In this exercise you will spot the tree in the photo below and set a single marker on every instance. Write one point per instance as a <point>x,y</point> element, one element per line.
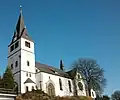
<point>116,95</point>
<point>92,74</point>
<point>0,82</point>
<point>8,80</point>
<point>105,97</point>
<point>98,97</point>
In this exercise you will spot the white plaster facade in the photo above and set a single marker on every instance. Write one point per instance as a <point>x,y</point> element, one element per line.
<point>22,55</point>
<point>54,79</point>
<point>32,76</point>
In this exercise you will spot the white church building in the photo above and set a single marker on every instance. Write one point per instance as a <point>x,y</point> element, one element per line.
<point>30,74</point>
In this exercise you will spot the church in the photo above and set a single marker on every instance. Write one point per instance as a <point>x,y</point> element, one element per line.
<point>30,74</point>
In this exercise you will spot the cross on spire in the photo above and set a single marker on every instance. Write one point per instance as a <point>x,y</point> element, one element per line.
<point>20,31</point>
<point>20,9</point>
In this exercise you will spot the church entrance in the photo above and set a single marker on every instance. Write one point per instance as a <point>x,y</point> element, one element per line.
<point>26,88</point>
<point>51,89</point>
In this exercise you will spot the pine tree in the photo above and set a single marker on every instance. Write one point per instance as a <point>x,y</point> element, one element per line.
<point>8,80</point>
<point>0,82</point>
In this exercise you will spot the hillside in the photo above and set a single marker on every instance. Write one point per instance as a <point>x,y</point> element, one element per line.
<point>40,95</point>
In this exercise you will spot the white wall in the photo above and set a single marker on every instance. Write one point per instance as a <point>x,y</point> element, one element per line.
<point>24,78</point>
<point>83,92</point>
<point>22,54</point>
<point>31,49</point>
<point>12,58</point>
<point>27,54</point>
<point>55,80</point>
<point>30,86</point>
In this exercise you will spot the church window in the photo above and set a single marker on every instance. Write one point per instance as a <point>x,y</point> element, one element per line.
<point>11,48</point>
<point>26,74</point>
<point>80,85</point>
<point>11,66</point>
<point>92,94</point>
<point>16,44</point>
<point>69,83</point>
<point>30,74</point>
<point>28,63</point>
<point>36,70</point>
<point>27,44</point>
<point>40,85</point>
<point>51,89</point>
<point>16,63</point>
<point>60,83</point>
<point>78,76</point>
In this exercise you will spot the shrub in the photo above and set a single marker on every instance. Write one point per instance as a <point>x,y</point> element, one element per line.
<point>72,98</point>
<point>40,95</point>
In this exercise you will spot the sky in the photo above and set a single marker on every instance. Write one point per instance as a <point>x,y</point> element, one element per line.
<point>67,30</point>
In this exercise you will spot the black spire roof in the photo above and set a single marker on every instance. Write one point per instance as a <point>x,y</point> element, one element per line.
<point>20,30</point>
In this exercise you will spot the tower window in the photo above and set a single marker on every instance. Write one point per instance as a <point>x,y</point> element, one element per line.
<point>30,74</point>
<point>60,83</point>
<point>16,63</point>
<point>27,44</point>
<point>36,70</point>
<point>16,44</point>
<point>69,83</point>
<point>11,66</point>
<point>78,76</point>
<point>11,48</point>
<point>28,63</point>
<point>26,74</point>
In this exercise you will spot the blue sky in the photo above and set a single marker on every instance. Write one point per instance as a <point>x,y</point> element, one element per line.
<point>68,29</point>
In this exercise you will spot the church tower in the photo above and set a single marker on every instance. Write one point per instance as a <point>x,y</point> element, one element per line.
<point>21,57</point>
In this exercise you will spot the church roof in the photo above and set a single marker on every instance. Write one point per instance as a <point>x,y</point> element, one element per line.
<point>72,73</point>
<point>20,30</point>
<point>51,70</point>
<point>29,81</point>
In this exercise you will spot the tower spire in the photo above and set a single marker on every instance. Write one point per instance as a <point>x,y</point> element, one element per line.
<point>20,31</point>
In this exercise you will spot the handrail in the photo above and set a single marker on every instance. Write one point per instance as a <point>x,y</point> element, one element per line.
<point>10,91</point>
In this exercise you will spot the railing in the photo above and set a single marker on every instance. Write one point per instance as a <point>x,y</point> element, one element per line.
<point>9,91</point>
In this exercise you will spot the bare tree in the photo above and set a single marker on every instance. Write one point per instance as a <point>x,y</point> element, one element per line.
<point>92,74</point>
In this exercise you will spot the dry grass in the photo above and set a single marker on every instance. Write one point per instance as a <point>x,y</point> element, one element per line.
<point>40,95</point>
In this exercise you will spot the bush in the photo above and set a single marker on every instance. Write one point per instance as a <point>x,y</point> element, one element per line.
<point>40,95</point>
<point>72,98</point>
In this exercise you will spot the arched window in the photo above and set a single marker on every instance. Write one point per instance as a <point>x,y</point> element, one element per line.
<point>26,88</point>
<point>51,89</point>
<point>80,85</point>
<point>16,63</point>
<point>28,63</point>
<point>60,83</point>
<point>69,83</point>
<point>78,76</point>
